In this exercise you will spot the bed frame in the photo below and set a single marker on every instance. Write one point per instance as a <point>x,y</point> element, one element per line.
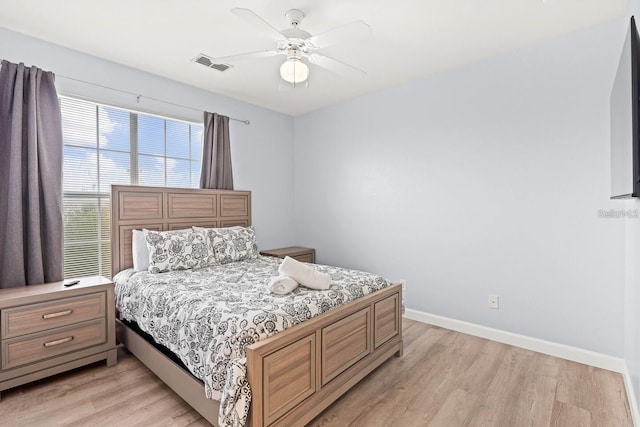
<point>295,374</point>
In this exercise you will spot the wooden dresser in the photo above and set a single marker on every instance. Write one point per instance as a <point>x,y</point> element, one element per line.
<point>47,329</point>
<point>299,253</point>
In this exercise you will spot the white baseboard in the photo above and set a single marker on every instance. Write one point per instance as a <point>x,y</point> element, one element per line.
<point>631,397</point>
<point>562,351</point>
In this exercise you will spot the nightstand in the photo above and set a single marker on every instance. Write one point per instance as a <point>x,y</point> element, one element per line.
<point>47,329</point>
<point>296,252</point>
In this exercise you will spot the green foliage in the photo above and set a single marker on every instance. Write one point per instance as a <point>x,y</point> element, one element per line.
<point>87,248</point>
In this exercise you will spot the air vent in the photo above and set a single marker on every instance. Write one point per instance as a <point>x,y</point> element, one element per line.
<point>220,67</point>
<point>207,61</point>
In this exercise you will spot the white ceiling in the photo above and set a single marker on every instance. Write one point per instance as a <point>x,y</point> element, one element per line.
<point>411,38</point>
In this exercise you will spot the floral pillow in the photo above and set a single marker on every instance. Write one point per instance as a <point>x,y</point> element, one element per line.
<point>177,250</point>
<point>232,243</point>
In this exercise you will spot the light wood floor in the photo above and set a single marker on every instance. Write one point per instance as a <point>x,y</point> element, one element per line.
<point>445,378</point>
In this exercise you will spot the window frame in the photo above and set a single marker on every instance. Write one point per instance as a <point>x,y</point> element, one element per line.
<point>102,197</point>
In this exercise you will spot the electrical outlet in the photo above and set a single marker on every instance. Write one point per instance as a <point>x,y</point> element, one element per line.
<point>404,284</point>
<point>494,302</point>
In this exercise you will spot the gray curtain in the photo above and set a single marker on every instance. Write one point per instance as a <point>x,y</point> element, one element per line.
<point>216,153</point>
<point>31,227</point>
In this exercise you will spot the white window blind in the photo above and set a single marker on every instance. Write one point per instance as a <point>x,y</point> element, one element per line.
<point>106,145</point>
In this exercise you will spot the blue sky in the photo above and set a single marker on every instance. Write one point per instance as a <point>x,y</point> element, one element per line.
<point>85,170</point>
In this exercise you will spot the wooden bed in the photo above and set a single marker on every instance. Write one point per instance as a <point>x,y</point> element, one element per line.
<point>293,375</point>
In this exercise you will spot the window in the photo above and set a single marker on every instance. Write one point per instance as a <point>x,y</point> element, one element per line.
<point>107,145</point>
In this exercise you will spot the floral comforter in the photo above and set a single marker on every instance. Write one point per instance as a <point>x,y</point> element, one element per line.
<point>208,317</point>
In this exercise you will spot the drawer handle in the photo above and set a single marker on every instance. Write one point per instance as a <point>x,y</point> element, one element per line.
<point>58,314</point>
<point>58,342</point>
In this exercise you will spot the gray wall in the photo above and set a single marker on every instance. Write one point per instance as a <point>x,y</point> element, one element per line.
<point>632,279</point>
<point>486,179</point>
<point>262,153</point>
<point>632,298</point>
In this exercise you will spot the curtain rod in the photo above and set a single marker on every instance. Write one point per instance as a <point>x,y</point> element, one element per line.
<point>139,96</point>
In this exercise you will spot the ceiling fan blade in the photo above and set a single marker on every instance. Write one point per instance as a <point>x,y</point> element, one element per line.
<point>345,33</point>
<point>335,66</point>
<point>249,55</point>
<point>258,23</point>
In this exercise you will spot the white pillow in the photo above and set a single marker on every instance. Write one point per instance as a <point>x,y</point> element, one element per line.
<point>140,251</point>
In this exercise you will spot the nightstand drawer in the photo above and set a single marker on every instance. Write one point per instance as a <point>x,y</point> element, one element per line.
<point>297,252</point>
<point>40,317</point>
<point>24,350</point>
<point>304,258</point>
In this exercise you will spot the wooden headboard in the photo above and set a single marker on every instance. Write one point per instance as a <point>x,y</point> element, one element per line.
<point>163,208</point>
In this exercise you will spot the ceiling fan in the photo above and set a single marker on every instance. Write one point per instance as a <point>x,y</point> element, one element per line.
<point>298,45</point>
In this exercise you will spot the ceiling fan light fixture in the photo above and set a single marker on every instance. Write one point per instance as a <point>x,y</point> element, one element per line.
<point>294,70</point>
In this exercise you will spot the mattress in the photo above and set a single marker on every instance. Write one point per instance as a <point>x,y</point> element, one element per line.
<point>208,317</point>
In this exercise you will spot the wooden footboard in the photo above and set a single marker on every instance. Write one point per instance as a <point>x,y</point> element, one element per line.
<point>298,373</point>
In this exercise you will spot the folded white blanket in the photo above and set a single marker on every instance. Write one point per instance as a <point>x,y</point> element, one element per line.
<point>304,274</point>
<point>282,285</point>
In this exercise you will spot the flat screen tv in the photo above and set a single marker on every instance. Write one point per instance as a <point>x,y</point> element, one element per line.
<point>625,135</point>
